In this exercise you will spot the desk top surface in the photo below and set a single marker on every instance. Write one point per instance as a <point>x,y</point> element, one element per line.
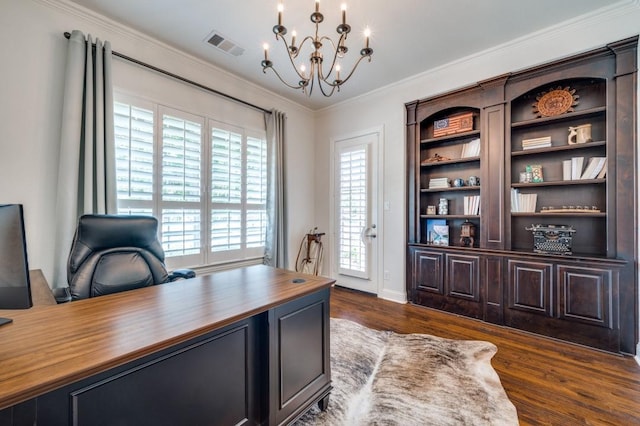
<point>48,347</point>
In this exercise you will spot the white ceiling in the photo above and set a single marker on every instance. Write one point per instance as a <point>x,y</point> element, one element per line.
<point>408,36</point>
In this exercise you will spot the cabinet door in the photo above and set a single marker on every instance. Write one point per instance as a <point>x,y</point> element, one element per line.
<point>586,295</point>
<point>530,287</point>
<point>300,372</point>
<point>463,276</point>
<point>427,271</point>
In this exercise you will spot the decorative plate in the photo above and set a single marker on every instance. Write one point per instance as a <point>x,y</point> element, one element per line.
<point>555,102</point>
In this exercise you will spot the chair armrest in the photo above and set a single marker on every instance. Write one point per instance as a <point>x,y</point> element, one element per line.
<point>61,294</point>
<point>181,274</point>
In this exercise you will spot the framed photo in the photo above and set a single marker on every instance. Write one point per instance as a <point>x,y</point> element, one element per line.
<point>431,209</point>
<point>536,172</point>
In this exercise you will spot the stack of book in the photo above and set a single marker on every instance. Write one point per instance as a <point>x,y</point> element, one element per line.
<point>523,203</point>
<point>535,143</point>
<point>435,183</point>
<point>471,149</point>
<point>472,204</point>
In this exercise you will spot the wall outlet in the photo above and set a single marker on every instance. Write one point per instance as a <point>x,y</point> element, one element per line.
<point>386,275</point>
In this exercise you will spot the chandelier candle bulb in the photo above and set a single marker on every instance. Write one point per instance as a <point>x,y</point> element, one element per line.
<point>266,52</point>
<point>367,33</point>
<point>344,13</point>
<point>293,38</point>
<point>317,6</point>
<point>280,9</point>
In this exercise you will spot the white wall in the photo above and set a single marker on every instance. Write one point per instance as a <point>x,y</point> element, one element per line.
<point>31,74</point>
<point>385,107</point>
<point>32,65</point>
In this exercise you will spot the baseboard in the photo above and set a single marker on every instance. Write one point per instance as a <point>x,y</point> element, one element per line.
<point>393,296</point>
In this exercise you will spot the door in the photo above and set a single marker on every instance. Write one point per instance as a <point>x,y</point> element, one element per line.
<point>355,217</point>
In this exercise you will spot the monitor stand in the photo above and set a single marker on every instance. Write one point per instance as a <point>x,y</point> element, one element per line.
<point>5,320</point>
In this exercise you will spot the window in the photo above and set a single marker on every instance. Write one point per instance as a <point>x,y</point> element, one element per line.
<point>205,181</point>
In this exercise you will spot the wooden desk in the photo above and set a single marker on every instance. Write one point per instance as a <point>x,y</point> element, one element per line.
<point>245,345</point>
<point>41,294</point>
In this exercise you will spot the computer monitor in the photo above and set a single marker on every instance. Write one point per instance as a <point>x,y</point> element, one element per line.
<point>15,288</point>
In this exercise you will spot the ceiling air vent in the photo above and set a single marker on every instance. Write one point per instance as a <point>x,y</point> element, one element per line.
<point>223,43</point>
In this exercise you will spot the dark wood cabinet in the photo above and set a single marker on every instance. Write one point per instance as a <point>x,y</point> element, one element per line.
<point>523,123</point>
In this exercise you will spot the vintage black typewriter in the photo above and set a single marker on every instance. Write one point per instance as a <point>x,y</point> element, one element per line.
<point>552,239</point>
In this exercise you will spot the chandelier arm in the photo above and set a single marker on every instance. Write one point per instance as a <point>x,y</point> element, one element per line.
<point>291,58</point>
<point>304,40</point>
<point>304,89</point>
<point>353,69</point>
<point>333,88</point>
<point>335,57</point>
<point>286,47</point>
<point>333,45</point>
<point>264,70</point>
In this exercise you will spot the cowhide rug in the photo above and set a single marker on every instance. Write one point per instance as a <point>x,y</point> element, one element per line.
<point>385,378</point>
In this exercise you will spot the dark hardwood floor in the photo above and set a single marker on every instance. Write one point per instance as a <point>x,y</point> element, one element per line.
<point>550,382</point>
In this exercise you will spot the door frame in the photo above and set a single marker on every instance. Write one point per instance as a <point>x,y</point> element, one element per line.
<point>378,261</point>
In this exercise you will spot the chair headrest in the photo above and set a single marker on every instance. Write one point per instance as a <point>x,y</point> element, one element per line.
<point>99,232</point>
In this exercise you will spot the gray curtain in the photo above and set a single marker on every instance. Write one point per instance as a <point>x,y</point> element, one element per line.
<point>86,166</point>
<point>276,241</point>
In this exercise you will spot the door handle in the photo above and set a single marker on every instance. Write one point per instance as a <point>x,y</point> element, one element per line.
<point>366,234</point>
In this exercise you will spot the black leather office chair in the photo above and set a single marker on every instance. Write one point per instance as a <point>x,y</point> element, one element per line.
<point>113,253</point>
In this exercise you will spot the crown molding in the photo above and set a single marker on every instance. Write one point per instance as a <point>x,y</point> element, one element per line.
<point>111,26</point>
<point>595,19</point>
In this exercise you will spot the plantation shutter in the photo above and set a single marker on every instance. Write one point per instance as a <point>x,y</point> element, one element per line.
<point>167,160</point>
<point>133,130</point>
<point>181,186</point>
<point>256,221</point>
<point>226,190</point>
<point>352,210</point>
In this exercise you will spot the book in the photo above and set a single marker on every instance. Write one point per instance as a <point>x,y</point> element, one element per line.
<point>593,168</point>
<point>437,232</point>
<point>439,183</point>
<point>523,203</point>
<point>471,149</point>
<point>603,172</point>
<point>534,143</point>
<point>576,167</point>
<point>472,204</point>
<point>566,170</point>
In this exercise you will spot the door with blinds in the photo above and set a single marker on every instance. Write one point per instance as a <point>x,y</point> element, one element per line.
<point>355,230</point>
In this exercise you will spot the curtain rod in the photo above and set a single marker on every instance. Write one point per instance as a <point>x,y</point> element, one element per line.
<point>182,79</point>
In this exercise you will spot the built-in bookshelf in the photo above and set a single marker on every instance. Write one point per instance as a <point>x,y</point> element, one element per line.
<point>550,148</point>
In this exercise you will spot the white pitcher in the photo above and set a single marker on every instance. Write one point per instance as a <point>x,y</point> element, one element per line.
<point>579,134</point>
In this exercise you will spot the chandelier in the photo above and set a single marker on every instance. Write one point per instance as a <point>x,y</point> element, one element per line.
<point>327,79</point>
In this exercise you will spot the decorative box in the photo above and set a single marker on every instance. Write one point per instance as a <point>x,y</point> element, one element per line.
<point>552,239</point>
<point>454,124</point>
